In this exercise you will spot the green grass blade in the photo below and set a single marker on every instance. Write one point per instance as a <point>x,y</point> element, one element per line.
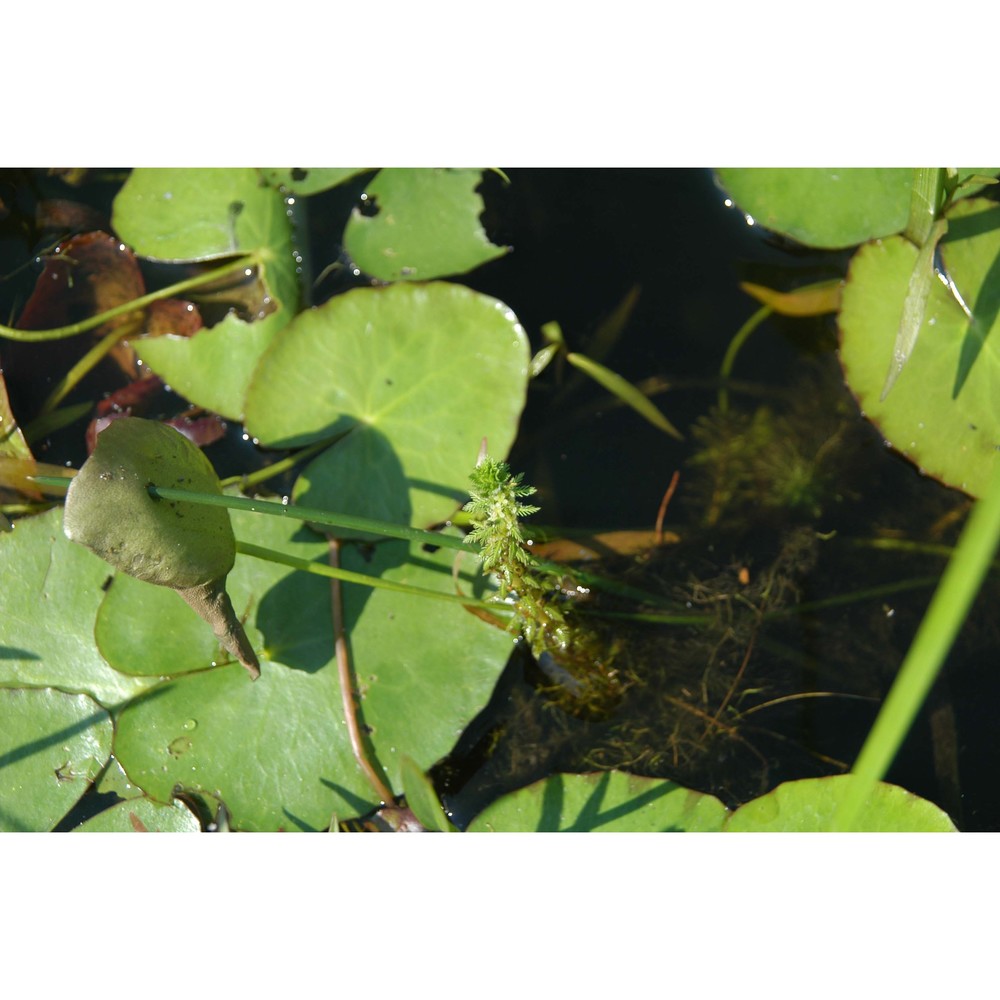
<point>625,391</point>
<point>945,615</point>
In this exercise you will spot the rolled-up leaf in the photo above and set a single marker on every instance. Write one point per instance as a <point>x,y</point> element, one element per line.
<point>186,546</point>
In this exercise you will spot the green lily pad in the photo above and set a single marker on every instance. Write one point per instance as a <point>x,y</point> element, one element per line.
<point>212,369</point>
<point>823,207</point>
<point>52,589</point>
<point>142,815</point>
<point>166,542</point>
<point>426,225</point>
<point>412,378</point>
<point>941,412</point>
<point>309,180</point>
<point>151,631</point>
<point>184,214</point>
<point>52,746</point>
<point>809,806</point>
<point>277,751</point>
<point>611,801</point>
<point>196,215</point>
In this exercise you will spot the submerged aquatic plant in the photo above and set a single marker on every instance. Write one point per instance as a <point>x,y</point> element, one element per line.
<point>568,651</point>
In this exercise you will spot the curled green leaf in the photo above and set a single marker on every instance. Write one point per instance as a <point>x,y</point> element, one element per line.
<point>188,547</point>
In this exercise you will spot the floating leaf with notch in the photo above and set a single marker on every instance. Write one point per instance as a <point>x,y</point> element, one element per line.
<point>406,380</point>
<point>425,225</point>
<point>189,215</point>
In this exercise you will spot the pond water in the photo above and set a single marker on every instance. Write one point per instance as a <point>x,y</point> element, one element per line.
<point>582,239</point>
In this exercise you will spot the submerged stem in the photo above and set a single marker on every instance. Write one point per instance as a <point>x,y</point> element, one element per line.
<point>62,332</point>
<point>72,378</point>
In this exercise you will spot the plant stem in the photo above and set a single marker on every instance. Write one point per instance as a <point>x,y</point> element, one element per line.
<point>734,348</point>
<point>945,615</point>
<point>319,569</point>
<point>367,525</point>
<point>70,380</point>
<point>346,679</point>
<point>275,468</point>
<point>61,332</point>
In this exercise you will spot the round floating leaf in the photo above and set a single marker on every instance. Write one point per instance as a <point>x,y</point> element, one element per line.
<point>277,752</point>
<point>809,806</point>
<point>166,542</point>
<point>51,593</point>
<point>425,225</point>
<point>52,746</point>
<point>821,207</point>
<point>151,631</point>
<point>309,180</point>
<point>941,413</point>
<point>177,213</point>
<point>611,801</point>
<point>142,815</point>
<point>412,377</point>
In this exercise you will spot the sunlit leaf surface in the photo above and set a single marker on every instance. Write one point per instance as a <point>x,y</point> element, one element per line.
<point>409,379</point>
<point>52,745</point>
<point>52,589</point>
<point>198,215</point>
<point>823,207</point>
<point>810,805</point>
<point>941,412</point>
<point>419,224</point>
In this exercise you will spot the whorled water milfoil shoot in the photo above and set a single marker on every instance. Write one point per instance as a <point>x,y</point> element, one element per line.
<point>567,651</point>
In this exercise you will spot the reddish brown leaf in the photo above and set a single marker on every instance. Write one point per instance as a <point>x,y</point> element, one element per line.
<point>130,400</point>
<point>175,316</point>
<point>62,216</point>
<point>200,430</point>
<point>84,276</point>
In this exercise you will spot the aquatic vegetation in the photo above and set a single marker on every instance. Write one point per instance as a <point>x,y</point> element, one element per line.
<point>354,586</point>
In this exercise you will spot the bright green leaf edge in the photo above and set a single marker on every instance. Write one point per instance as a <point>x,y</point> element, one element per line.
<point>810,806</point>
<point>828,208</point>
